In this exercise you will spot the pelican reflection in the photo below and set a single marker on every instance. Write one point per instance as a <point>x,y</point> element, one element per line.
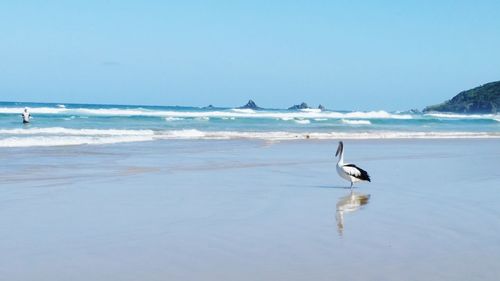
<point>349,204</point>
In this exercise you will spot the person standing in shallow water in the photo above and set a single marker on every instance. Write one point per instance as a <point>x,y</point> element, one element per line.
<point>26,116</point>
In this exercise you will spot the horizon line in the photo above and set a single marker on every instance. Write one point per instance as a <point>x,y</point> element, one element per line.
<point>200,107</point>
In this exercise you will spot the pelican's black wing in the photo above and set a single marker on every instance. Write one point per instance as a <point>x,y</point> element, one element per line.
<point>356,172</point>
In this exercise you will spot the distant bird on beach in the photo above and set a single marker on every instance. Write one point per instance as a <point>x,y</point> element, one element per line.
<point>349,172</point>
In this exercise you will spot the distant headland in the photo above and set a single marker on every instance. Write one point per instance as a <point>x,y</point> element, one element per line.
<point>482,99</point>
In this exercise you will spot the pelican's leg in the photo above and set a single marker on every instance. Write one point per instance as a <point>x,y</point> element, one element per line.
<point>351,185</point>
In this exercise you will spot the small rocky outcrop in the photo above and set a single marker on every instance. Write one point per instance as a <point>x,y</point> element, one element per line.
<point>321,107</point>
<point>250,105</point>
<point>299,106</point>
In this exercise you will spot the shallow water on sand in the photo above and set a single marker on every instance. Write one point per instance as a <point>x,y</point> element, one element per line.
<point>251,210</point>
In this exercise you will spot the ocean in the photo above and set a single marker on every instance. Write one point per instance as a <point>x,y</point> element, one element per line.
<point>75,124</point>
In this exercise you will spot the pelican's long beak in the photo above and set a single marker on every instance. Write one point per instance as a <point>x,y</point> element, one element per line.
<point>339,149</point>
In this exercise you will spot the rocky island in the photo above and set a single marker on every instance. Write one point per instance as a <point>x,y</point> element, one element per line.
<point>483,99</point>
<point>250,105</point>
<point>299,106</point>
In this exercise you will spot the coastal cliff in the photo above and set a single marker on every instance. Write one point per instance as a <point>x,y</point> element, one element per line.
<point>483,99</point>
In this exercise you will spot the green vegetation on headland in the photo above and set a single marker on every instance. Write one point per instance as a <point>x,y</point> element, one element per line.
<point>482,99</point>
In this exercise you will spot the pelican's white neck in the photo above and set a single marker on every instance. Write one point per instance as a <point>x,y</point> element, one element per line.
<point>341,157</point>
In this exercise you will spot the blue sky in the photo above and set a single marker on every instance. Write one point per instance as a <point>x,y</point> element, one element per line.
<point>360,55</point>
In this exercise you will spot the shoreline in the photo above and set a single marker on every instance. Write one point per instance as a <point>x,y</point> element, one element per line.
<point>109,137</point>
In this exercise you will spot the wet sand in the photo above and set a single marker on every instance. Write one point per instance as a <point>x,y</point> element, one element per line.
<point>251,210</point>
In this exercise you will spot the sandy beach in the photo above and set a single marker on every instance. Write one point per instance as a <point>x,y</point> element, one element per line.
<point>250,210</point>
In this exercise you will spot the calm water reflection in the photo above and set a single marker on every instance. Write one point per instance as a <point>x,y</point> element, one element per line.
<point>348,204</point>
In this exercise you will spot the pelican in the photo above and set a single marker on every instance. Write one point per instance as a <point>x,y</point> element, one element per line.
<point>349,172</point>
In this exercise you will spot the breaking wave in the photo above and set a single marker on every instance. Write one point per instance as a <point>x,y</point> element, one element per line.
<point>463,116</point>
<point>356,122</point>
<point>243,110</point>
<point>76,132</point>
<point>236,113</point>
<point>314,110</point>
<point>302,121</point>
<point>173,119</point>
<point>62,136</point>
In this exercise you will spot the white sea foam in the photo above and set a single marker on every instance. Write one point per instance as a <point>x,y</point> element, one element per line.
<point>38,110</point>
<point>356,122</point>
<point>243,110</point>
<point>76,132</point>
<point>183,134</point>
<point>57,136</point>
<point>67,140</point>
<point>302,121</point>
<point>62,136</point>
<point>315,110</point>
<point>173,119</point>
<point>463,116</point>
<point>280,135</point>
<point>236,113</point>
